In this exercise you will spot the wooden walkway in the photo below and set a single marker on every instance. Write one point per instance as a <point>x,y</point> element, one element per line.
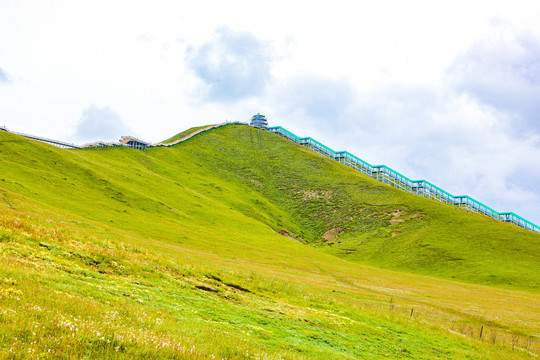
<point>65,145</point>
<point>187,137</point>
<point>57,143</point>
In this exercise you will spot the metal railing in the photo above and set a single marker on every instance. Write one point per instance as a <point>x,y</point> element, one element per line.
<point>386,175</point>
<point>57,143</point>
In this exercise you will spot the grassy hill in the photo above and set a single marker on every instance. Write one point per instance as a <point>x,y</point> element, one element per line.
<point>239,244</point>
<point>367,221</point>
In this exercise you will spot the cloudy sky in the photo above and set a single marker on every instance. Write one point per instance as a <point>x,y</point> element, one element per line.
<point>443,91</point>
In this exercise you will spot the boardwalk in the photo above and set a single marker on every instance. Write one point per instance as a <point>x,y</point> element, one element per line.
<point>187,137</point>
<point>384,174</point>
<point>127,141</point>
<point>57,143</point>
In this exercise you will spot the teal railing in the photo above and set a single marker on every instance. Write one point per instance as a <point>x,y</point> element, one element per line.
<point>391,177</point>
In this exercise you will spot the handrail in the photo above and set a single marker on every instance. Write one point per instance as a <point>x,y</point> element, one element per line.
<point>189,136</point>
<point>42,139</point>
<point>143,144</point>
<point>386,175</point>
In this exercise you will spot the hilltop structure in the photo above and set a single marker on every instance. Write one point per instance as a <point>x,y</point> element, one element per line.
<point>134,143</point>
<point>259,121</point>
<point>128,141</point>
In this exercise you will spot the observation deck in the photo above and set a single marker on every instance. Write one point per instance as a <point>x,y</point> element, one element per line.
<point>259,121</point>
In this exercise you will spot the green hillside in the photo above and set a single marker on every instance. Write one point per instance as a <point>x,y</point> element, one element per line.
<point>367,221</point>
<point>240,244</point>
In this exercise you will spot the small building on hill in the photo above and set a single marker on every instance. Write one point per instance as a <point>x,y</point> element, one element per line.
<point>128,141</point>
<point>259,121</point>
<point>98,144</point>
<point>133,142</point>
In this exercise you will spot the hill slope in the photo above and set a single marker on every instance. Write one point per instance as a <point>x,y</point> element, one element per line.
<point>369,222</point>
<point>190,235</point>
<point>270,181</point>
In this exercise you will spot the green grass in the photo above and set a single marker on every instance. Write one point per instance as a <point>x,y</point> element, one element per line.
<point>177,253</point>
<point>379,225</point>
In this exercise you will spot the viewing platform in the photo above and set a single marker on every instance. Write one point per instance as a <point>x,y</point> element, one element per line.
<point>259,121</point>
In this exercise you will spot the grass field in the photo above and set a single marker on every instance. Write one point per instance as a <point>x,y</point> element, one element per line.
<point>239,244</point>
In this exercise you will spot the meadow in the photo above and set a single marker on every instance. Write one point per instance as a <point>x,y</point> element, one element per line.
<point>240,244</point>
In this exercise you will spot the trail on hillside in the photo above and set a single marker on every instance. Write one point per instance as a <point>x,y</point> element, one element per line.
<point>187,137</point>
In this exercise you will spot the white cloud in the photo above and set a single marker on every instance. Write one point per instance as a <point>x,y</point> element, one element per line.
<point>234,65</point>
<point>316,98</point>
<point>102,124</point>
<point>3,76</point>
<point>504,72</point>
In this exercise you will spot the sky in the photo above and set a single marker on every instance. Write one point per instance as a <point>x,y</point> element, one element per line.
<point>446,91</point>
